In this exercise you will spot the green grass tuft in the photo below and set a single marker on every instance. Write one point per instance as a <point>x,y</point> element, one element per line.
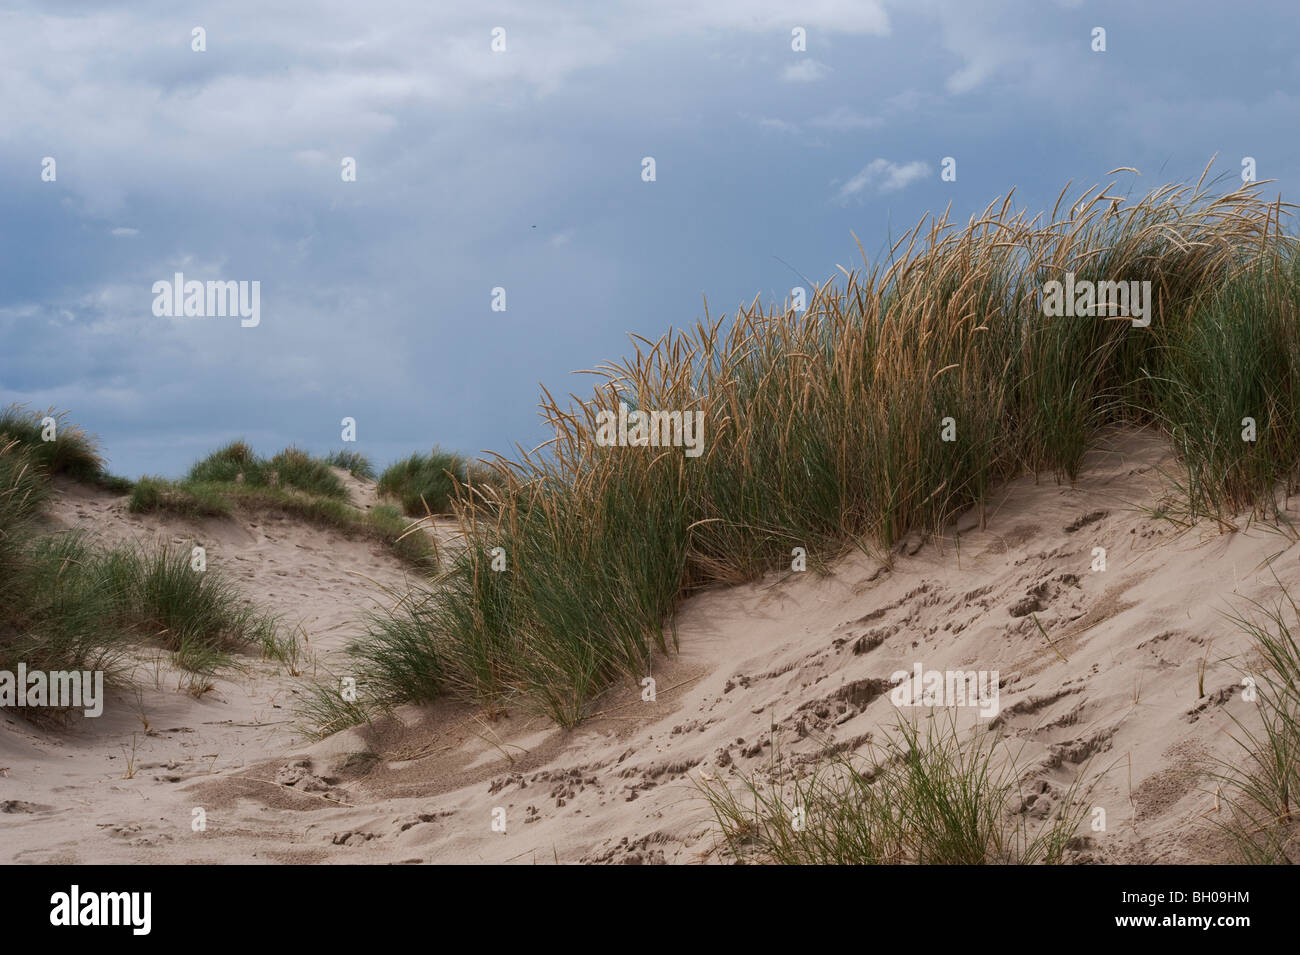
<point>353,462</point>
<point>236,463</point>
<point>71,452</point>
<point>71,605</point>
<point>431,483</point>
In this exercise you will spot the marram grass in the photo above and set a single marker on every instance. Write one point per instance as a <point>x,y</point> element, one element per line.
<point>824,429</point>
<point>235,478</point>
<point>917,797</point>
<point>57,447</point>
<point>67,603</point>
<point>1260,783</point>
<point>428,483</point>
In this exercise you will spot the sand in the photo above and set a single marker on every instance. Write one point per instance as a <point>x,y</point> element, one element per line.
<point>794,660</point>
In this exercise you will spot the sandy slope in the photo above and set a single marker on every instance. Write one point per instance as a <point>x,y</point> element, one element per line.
<point>796,658</point>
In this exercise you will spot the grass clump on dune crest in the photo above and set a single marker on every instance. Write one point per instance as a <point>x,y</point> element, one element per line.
<point>190,499</point>
<point>431,483</point>
<point>825,429</point>
<point>355,463</point>
<point>292,482</point>
<point>208,499</point>
<point>57,447</point>
<point>291,468</point>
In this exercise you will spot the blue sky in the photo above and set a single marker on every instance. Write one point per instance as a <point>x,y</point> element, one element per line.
<point>522,169</point>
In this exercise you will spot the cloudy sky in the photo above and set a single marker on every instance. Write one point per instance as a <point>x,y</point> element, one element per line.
<point>522,169</point>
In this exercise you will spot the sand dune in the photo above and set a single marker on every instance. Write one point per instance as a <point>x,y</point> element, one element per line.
<point>794,661</point>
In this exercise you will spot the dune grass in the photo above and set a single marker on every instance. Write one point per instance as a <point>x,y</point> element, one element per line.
<point>70,604</point>
<point>323,710</point>
<point>355,463</point>
<point>430,483</point>
<point>1237,363</point>
<point>158,594</point>
<point>291,468</point>
<point>187,499</point>
<point>234,478</point>
<point>23,492</point>
<point>935,798</point>
<point>55,609</point>
<point>1262,785</point>
<point>824,430</point>
<point>70,450</point>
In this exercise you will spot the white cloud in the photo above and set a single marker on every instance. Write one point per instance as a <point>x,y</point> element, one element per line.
<point>882,176</point>
<point>124,232</point>
<point>805,71</point>
<point>842,118</point>
<point>994,39</point>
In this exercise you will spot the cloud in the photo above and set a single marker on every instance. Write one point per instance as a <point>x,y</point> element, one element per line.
<point>124,232</point>
<point>1001,39</point>
<point>912,100</point>
<point>862,17</point>
<point>805,71</point>
<point>842,118</point>
<point>777,125</point>
<point>882,176</point>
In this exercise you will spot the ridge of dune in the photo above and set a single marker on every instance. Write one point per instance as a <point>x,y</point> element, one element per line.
<point>792,662</point>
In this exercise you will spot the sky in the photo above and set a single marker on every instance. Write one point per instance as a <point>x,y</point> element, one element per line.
<point>522,169</point>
